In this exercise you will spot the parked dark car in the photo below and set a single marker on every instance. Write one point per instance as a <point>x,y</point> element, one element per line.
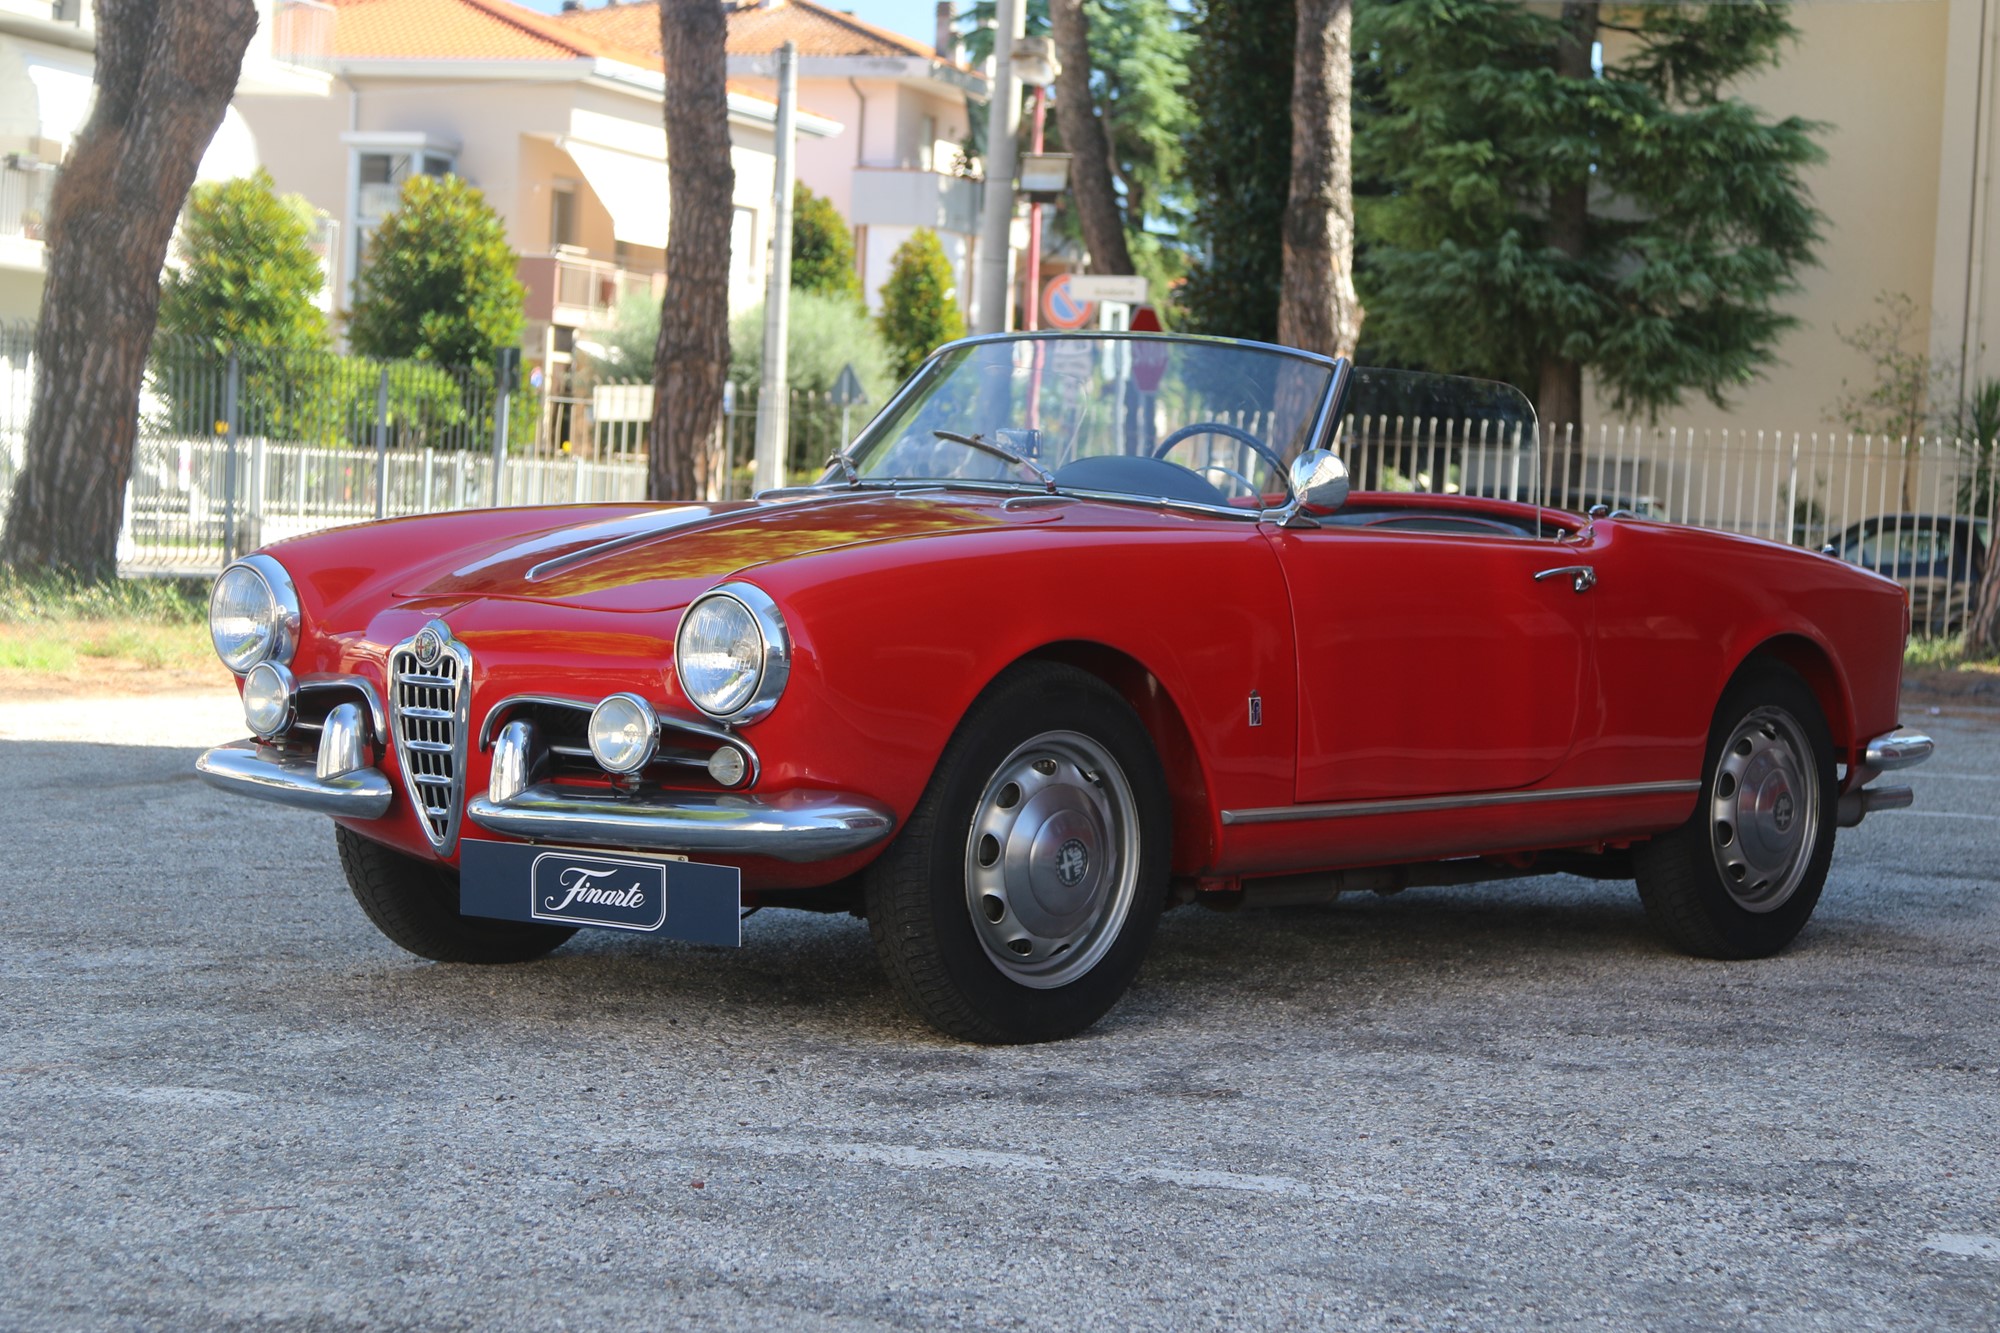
<point>1938,557</point>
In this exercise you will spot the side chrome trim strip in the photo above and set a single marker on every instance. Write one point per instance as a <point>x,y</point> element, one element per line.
<point>1286,814</point>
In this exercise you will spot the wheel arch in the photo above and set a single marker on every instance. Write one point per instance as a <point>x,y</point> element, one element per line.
<point>1811,662</point>
<point>1173,741</point>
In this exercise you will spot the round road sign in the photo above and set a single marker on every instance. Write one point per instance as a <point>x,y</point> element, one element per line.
<point>1061,310</point>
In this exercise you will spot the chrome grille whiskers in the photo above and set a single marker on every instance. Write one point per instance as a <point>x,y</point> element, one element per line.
<point>430,693</point>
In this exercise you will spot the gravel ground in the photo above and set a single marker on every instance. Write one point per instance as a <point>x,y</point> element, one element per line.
<point>228,1101</point>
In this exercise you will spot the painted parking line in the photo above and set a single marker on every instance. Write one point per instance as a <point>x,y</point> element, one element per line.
<point>1964,1243</point>
<point>910,1157</point>
<point>1949,814</point>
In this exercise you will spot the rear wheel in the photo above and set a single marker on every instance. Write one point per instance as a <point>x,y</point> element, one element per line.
<point>1741,877</point>
<point>415,903</point>
<point>1017,903</point>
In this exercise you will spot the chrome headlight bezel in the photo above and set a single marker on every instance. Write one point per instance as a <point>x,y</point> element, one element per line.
<point>282,691</point>
<point>774,667</point>
<point>648,721</point>
<point>279,621</point>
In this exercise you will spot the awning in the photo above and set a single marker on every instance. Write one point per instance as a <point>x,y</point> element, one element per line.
<point>633,190</point>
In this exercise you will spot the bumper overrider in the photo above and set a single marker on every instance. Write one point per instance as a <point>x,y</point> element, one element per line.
<point>794,826</point>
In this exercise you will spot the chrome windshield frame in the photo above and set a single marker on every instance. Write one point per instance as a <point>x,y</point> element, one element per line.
<point>1340,384</point>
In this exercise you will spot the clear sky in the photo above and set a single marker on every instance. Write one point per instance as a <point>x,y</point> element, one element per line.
<point>912,18</point>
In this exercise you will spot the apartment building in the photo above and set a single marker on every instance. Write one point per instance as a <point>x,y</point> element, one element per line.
<point>905,105</point>
<point>48,51</point>
<point>562,130</point>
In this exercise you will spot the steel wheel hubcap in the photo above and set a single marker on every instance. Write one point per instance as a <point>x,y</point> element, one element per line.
<point>1052,859</point>
<point>1764,822</point>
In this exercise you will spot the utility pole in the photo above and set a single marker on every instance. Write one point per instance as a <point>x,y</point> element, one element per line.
<point>773,397</point>
<point>1003,128</point>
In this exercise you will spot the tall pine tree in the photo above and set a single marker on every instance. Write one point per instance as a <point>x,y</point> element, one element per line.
<point>1239,164</point>
<point>1541,210</point>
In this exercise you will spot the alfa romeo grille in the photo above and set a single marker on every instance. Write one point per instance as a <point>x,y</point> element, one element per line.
<point>430,676</point>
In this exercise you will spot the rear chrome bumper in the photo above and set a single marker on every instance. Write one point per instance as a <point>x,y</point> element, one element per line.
<point>1898,749</point>
<point>788,826</point>
<point>266,774</point>
<point>1885,753</point>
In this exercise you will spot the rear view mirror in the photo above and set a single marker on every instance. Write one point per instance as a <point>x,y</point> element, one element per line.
<point>1319,481</point>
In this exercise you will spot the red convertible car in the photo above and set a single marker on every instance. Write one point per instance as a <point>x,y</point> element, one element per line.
<point>1081,627</point>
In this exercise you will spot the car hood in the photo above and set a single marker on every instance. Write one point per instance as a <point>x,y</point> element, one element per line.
<point>660,558</point>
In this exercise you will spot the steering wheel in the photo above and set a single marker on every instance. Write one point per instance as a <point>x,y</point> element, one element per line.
<point>1249,486</point>
<point>1237,433</point>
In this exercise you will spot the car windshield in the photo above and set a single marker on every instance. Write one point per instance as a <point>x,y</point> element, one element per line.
<point>1182,419</point>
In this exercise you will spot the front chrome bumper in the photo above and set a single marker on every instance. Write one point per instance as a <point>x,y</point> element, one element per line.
<point>1883,754</point>
<point>788,826</point>
<point>249,768</point>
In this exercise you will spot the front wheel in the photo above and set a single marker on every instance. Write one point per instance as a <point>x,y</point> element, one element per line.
<point>1017,903</point>
<point>1741,877</point>
<point>415,903</point>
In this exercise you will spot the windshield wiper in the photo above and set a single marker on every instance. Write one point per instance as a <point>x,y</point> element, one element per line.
<point>1003,453</point>
<point>845,462</point>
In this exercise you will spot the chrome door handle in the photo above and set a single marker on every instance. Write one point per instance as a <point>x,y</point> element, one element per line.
<point>1581,577</point>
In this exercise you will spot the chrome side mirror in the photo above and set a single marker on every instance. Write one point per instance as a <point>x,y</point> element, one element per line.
<point>1319,481</point>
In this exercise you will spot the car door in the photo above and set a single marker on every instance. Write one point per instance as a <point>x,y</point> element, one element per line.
<point>1435,662</point>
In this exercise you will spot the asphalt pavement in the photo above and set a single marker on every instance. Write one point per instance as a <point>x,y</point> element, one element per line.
<point>225,1100</point>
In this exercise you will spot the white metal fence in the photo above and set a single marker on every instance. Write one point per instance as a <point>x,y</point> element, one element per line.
<point>234,453</point>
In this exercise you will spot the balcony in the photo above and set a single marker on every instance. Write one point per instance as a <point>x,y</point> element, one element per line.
<point>24,209</point>
<point>302,33</point>
<point>911,197</point>
<point>580,292</point>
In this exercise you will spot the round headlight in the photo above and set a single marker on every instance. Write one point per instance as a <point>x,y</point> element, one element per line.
<point>624,730</point>
<point>267,698</point>
<point>733,653</point>
<point>253,614</point>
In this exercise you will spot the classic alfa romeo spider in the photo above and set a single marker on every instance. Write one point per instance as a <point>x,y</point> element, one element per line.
<point>1080,627</point>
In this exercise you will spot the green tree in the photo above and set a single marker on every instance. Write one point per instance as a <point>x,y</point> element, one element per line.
<point>438,280</point>
<point>919,302</point>
<point>1537,212</point>
<point>165,74</point>
<point>822,248</point>
<point>246,284</point>
<point>1239,164</point>
<point>248,277</point>
<point>1134,99</point>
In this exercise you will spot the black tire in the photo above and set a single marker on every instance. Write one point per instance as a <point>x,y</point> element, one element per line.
<point>1741,877</point>
<point>1085,841</point>
<point>415,903</point>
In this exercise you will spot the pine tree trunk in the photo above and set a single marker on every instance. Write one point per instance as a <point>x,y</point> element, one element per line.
<point>1559,399</point>
<point>1318,310</point>
<point>166,70</point>
<point>1088,140</point>
<point>691,359</point>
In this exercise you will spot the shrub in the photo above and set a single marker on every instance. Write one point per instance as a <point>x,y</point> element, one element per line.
<point>919,302</point>
<point>438,283</point>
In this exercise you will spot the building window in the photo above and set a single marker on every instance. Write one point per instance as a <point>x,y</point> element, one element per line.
<point>927,144</point>
<point>743,264</point>
<point>562,214</point>
<point>381,177</point>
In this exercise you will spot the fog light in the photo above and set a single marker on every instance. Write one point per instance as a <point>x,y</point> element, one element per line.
<point>267,699</point>
<point>624,730</point>
<point>726,766</point>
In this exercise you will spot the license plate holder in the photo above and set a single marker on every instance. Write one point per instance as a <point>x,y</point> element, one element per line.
<point>630,891</point>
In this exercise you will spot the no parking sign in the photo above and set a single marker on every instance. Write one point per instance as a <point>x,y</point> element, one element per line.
<point>1061,309</point>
